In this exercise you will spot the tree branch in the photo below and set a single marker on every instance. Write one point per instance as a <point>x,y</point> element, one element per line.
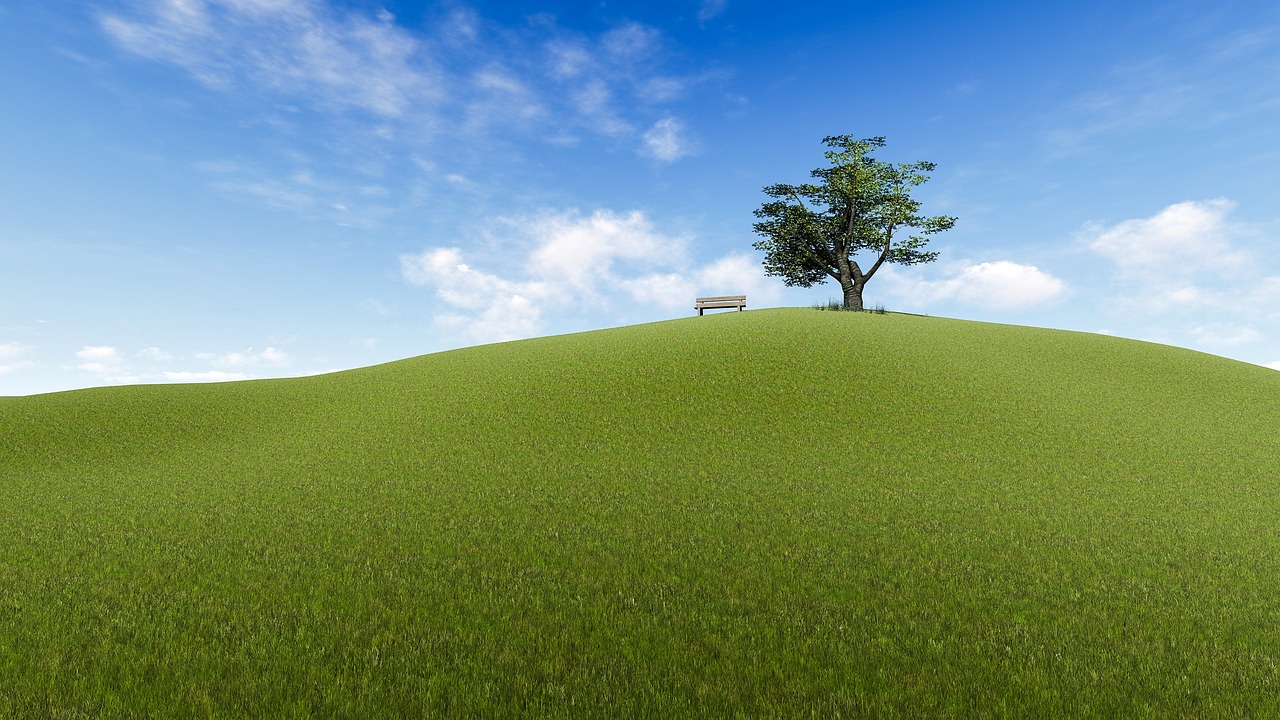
<point>884,254</point>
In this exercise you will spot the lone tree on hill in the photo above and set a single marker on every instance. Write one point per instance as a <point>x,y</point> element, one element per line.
<point>812,231</point>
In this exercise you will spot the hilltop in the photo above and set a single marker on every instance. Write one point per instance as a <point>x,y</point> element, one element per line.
<point>759,513</point>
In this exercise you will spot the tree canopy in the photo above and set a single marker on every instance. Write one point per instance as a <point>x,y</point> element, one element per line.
<point>813,231</point>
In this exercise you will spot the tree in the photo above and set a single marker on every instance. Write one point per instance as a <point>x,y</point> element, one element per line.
<point>812,231</point>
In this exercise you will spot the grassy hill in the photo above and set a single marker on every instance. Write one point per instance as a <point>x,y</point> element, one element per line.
<point>770,513</point>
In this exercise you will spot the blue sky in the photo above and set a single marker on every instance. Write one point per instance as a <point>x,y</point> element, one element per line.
<point>196,190</point>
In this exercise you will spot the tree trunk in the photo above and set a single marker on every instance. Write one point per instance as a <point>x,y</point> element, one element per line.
<point>852,295</point>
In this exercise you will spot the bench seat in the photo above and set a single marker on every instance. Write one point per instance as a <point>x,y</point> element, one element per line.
<point>720,302</point>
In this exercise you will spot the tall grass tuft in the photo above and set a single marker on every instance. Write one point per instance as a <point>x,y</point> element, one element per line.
<point>838,306</point>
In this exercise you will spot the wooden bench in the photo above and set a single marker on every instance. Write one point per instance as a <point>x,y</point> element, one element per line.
<point>724,301</point>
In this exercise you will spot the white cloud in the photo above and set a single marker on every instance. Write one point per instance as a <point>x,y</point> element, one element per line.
<point>98,353</point>
<point>730,275</point>
<point>997,285</point>
<point>1185,259</point>
<point>1225,334</point>
<point>504,317</point>
<point>99,359</point>
<point>1183,240</point>
<point>10,354</point>
<point>247,358</point>
<point>667,140</point>
<point>1188,275</point>
<point>1273,365</point>
<point>107,362</point>
<point>497,309</point>
<point>604,260</point>
<point>110,365</point>
<point>667,290</point>
<point>12,350</point>
<point>207,376</point>
<point>577,250</point>
<point>457,283</point>
<point>272,356</point>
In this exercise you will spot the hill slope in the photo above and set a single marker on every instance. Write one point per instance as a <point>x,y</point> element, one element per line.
<point>760,513</point>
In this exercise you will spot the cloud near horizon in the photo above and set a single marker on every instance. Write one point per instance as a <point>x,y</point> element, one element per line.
<point>98,359</point>
<point>609,259</point>
<point>993,285</point>
<point>185,376</point>
<point>11,354</point>
<point>1188,255</point>
<point>1182,241</point>
<point>1185,266</point>
<point>113,366</point>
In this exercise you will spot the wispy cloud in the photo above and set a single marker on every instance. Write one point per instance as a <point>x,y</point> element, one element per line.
<point>1203,85</point>
<point>292,47</point>
<point>1244,43</point>
<point>348,202</point>
<point>607,259</point>
<point>1126,107</point>
<point>667,141</point>
<point>464,78</point>
<point>273,193</point>
<point>710,9</point>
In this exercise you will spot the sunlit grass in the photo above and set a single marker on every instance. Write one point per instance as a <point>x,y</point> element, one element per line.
<point>750,514</point>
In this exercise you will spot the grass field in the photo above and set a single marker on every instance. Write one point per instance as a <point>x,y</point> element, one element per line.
<point>771,513</point>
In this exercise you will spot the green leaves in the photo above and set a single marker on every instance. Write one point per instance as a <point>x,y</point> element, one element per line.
<point>813,231</point>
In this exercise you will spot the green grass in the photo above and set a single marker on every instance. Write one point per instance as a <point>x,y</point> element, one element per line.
<point>770,513</point>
